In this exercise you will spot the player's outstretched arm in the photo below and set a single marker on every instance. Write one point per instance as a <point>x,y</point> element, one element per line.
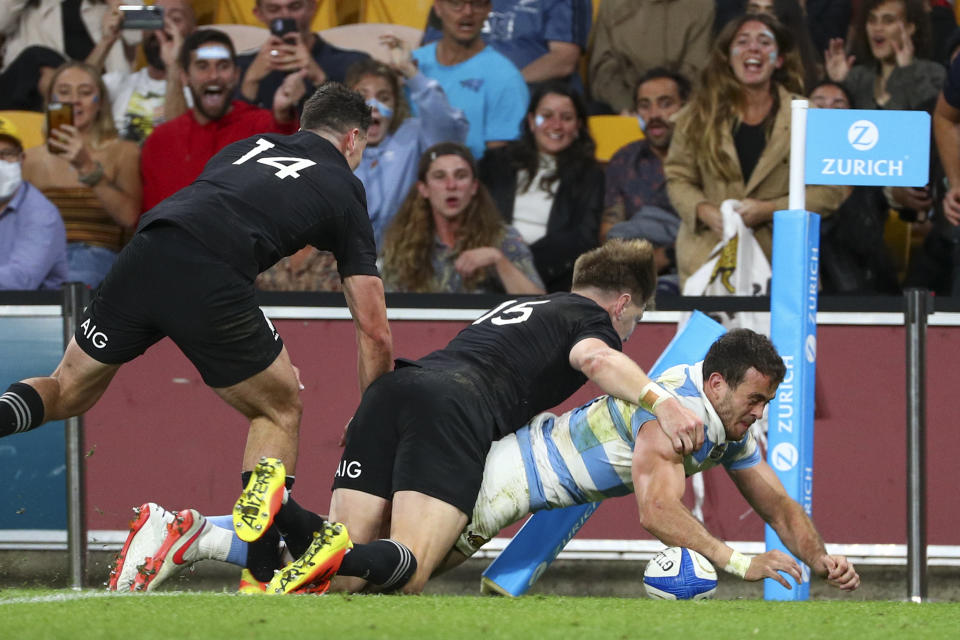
<point>763,490</point>
<point>374,342</point>
<point>621,377</point>
<point>659,483</point>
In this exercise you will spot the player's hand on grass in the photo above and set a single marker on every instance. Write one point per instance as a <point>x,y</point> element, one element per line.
<point>838,572</point>
<point>682,426</point>
<point>769,564</point>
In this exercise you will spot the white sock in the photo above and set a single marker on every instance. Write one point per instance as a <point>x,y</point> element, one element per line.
<point>215,543</point>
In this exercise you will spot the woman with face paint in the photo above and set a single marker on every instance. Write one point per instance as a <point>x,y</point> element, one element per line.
<point>891,47</point>
<point>396,140</point>
<point>89,173</point>
<point>732,140</point>
<point>548,184</point>
<point>448,236</point>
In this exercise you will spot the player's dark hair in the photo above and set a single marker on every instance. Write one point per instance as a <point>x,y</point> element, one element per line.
<point>201,37</point>
<point>334,107</point>
<point>737,351</point>
<point>618,265</point>
<point>683,83</point>
<point>370,67</point>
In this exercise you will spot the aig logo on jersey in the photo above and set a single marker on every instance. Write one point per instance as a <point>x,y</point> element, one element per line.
<point>348,469</point>
<point>89,331</point>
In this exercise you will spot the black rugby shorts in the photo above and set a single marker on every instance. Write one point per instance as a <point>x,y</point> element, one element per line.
<point>166,283</point>
<point>418,430</point>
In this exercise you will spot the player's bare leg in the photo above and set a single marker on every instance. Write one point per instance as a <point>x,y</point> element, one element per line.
<point>74,386</point>
<point>454,559</point>
<point>429,528</point>
<point>271,402</point>
<point>363,514</point>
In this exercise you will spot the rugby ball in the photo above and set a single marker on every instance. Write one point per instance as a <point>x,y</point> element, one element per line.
<point>678,573</point>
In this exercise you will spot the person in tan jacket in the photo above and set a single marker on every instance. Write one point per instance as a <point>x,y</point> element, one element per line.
<point>633,36</point>
<point>732,141</point>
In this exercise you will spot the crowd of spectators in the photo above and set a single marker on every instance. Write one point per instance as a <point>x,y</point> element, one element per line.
<point>480,169</point>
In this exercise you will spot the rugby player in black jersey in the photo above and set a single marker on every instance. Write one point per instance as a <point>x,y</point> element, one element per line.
<point>416,446</point>
<point>189,272</point>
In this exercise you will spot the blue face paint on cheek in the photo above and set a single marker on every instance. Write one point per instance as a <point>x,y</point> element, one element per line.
<point>538,120</point>
<point>773,57</point>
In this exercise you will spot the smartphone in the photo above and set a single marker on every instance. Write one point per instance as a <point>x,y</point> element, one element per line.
<point>137,17</point>
<point>282,26</point>
<point>58,113</point>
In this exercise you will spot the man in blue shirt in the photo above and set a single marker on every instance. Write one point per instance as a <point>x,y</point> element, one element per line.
<point>543,38</point>
<point>33,242</point>
<point>483,83</point>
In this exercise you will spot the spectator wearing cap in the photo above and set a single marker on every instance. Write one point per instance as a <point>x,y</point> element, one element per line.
<point>543,38</point>
<point>33,241</point>
<point>176,152</point>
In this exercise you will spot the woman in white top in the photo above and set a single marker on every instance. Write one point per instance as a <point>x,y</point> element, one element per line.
<point>548,184</point>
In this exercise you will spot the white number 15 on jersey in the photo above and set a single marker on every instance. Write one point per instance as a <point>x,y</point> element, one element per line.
<point>510,312</point>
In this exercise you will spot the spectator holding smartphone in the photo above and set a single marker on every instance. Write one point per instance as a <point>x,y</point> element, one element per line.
<point>69,27</point>
<point>291,47</point>
<point>143,99</point>
<point>89,173</point>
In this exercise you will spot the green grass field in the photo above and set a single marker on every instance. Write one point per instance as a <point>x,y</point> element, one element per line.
<point>35,614</point>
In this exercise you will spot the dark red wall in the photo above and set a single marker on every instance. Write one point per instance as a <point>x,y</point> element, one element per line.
<point>160,434</point>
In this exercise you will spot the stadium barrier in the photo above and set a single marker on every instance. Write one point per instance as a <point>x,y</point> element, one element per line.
<point>159,397</point>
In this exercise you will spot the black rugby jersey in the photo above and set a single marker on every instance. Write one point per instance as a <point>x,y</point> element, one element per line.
<point>517,357</point>
<point>266,197</point>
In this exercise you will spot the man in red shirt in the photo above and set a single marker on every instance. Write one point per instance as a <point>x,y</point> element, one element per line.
<point>176,152</point>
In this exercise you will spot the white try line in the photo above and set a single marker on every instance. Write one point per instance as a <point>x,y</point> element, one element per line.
<point>88,594</point>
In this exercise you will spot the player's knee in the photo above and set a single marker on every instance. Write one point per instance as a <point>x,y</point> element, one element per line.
<point>289,412</point>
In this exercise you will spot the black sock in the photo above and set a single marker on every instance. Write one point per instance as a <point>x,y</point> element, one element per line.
<point>297,525</point>
<point>263,555</point>
<point>385,563</point>
<point>21,409</point>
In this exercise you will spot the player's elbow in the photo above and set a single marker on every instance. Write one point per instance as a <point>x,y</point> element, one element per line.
<point>596,361</point>
<point>651,513</point>
<point>379,337</point>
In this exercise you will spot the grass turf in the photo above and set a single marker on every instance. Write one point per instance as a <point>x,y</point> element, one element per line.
<point>38,614</point>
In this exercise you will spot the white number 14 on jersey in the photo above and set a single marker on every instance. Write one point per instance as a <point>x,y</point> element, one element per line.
<point>286,167</point>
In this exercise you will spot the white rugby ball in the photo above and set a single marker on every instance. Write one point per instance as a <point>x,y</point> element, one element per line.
<point>678,573</point>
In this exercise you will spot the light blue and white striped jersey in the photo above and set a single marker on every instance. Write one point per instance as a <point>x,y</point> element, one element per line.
<point>585,455</point>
